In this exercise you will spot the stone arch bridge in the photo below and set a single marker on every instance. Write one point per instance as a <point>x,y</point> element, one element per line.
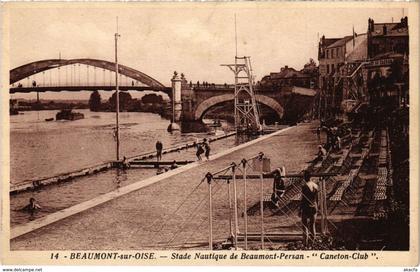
<point>197,100</point>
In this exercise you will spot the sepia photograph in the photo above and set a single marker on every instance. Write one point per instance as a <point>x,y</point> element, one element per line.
<point>210,133</point>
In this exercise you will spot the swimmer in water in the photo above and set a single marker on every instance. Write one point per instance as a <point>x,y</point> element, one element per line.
<point>32,206</point>
<point>174,165</point>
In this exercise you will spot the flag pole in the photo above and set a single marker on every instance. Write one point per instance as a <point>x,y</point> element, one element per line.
<point>117,107</point>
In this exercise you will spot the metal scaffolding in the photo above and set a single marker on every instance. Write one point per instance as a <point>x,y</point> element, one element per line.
<point>246,110</point>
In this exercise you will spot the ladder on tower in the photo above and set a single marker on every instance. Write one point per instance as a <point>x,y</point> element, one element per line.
<point>245,104</point>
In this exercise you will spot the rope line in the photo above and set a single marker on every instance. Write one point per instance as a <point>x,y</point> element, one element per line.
<point>192,215</point>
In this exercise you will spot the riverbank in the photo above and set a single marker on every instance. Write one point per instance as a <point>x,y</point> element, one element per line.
<point>162,211</point>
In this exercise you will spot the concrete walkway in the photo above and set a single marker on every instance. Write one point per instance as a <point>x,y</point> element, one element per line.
<point>165,214</point>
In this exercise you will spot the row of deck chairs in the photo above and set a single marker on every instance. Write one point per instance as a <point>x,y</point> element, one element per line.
<point>333,161</point>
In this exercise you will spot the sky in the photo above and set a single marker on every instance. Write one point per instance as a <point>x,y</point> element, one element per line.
<point>194,39</point>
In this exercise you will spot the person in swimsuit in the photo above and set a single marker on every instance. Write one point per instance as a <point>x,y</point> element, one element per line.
<point>31,207</point>
<point>200,151</point>
<point>309,208</point>
<point>279,187</point>
<point>159,148</point>
<point>206,149</point>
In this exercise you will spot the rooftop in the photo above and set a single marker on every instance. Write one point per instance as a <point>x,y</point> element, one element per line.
<point>341,42</point>
<point>393,29</point>
<point>287,72</point>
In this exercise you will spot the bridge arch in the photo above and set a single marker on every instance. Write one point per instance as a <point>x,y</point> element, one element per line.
<point>32,68</point>
<point>204,106</point>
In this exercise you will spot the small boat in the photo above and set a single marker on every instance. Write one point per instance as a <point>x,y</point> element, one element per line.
<point>13,111</point>
<point>216,123</point>
<point>68,114</point>
<point>216,132</point>
<point>49,119</point>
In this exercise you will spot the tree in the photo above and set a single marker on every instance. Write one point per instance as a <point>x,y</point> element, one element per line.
<point>125,100</point>
<point>152,98</point>
<point>95,101</point>
<point>310,67</point>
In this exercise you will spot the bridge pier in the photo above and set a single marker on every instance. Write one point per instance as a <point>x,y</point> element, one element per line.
<point>176,98</point>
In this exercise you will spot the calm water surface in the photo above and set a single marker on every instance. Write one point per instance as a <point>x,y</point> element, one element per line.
<point>44,149</point>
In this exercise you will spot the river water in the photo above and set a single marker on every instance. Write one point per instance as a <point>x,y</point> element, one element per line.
<point>43,149</point>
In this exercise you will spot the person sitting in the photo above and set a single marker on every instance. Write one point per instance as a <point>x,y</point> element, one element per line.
<point>32,206</point>
<point>160,171</point>
<point>124,164</point>
<point>321,155</point>
<point>174,165</point>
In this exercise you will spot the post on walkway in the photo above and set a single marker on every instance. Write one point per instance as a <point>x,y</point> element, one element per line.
<point>117,95</point>
<point>323,206</point>
<point>262,210</point>
<point>235,203</point>
<point>230,209</point>
<point>244,163</point>
<point>209,178</point>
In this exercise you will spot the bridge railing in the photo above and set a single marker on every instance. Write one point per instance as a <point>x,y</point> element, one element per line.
<point>211,86</point>
<point>221,87</point>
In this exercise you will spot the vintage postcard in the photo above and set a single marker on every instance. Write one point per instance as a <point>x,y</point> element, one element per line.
<point>213,133</point>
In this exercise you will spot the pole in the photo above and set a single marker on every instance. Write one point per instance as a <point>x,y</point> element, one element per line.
<point>324,199</point>
<point>262,210</point>
<point>173,105</point>
<point>230,209</point>
<point>235,205</point>
<point>322,207</point>
<point>117,95</point>
<point>210,215</point>
<point>245,206</point>
<point>236,40</point>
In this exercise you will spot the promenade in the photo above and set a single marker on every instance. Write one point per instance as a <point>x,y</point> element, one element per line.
<point>167,214</point>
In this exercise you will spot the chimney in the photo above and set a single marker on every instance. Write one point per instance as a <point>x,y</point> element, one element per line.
<point>371,25</point>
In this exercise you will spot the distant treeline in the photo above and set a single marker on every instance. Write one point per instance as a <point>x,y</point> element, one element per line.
<point>148,103</point>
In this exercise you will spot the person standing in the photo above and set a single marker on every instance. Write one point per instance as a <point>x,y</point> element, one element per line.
<point>206,149</point>
<point>199,151</point>
<point>318,134</point>
<point>159,148</point>
<point>279,187</point>
<point>309,208</point>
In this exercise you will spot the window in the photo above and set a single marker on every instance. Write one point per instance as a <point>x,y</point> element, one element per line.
<point>328,54</point>
<point>328,68</point>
